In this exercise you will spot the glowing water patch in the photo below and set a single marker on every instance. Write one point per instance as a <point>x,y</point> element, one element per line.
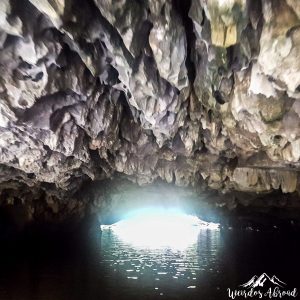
<point>156,229</point>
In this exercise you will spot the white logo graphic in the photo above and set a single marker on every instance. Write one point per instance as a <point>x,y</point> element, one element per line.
<point>263,286</point>
<point>262,280</point>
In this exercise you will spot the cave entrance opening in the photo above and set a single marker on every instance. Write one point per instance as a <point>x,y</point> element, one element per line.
<point>157,227</point>
<point>124,201</point>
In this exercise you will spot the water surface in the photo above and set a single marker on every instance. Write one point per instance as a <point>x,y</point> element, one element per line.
<point>96,266</point>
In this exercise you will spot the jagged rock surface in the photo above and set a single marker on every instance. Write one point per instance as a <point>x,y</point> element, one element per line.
<point>188,92</point>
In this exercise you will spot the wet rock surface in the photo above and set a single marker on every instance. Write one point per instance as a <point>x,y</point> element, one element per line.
<point>193,93</point>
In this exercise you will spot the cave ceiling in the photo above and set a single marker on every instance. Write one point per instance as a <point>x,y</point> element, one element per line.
<point>186,92</point>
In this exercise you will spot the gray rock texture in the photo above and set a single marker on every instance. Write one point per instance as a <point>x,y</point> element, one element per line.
<point>194,93</point>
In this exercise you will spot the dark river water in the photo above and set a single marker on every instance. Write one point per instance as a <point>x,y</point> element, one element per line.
<point>96,266</point>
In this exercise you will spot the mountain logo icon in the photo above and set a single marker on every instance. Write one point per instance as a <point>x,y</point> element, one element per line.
<point>263,280</point>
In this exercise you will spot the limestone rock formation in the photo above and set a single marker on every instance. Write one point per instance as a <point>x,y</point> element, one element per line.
<point>188,92</point>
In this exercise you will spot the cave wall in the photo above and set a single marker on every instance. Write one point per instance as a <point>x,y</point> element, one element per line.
<point>188,92</point>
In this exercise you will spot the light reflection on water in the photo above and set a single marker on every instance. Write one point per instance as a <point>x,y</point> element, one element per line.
<point>163,270</point>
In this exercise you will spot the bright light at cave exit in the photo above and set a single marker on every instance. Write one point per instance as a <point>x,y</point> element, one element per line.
<point>160,228</point>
